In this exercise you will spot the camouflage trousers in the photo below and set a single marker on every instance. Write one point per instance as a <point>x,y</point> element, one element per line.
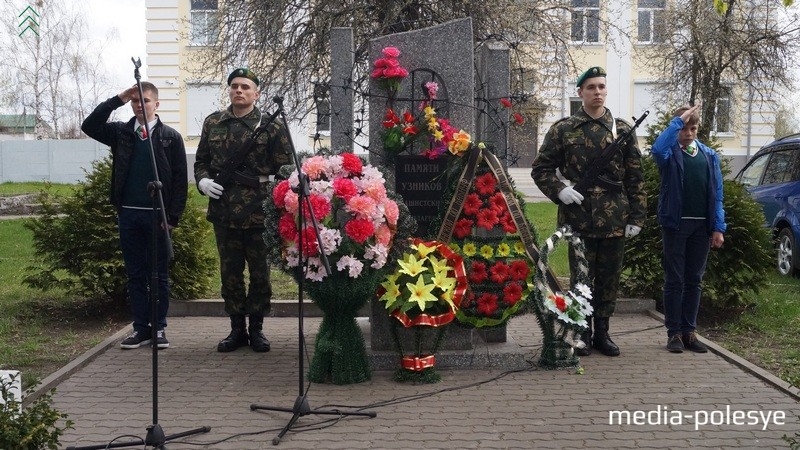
<point>237,247</point>
<point>605,257</point>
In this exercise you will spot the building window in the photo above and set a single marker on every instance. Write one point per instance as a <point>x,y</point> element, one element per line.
<point>201,100</point>
<point>651,21</point>
<point>723,111</point>
<point>586,20</point>
<point>205,29</point>
<point>575,105</point>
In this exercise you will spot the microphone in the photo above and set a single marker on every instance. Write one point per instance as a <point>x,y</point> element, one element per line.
<point>278,99</point>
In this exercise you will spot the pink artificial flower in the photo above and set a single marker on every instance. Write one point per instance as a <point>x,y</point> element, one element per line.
<point>374,189</point>
<point>383,235</point>
<point>359,230</point>
<point>344,188</point>
<point>352,163</point>
<point>291,202</point>
<point>287,228</point>
<point>320,205</point>
<point>279,193</point>
<point>314,167</point>
<point>391,52</point>
<point>391,211</point>
<point>433,88</point>
<point>362,206</point>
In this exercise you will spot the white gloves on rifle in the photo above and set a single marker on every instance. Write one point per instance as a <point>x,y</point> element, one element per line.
<point>632,230</point>
<point>208,187</point>
<point>569,195</point>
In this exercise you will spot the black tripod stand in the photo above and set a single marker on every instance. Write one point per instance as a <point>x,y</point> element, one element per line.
<point>300,407</point>
<point>155,437</point>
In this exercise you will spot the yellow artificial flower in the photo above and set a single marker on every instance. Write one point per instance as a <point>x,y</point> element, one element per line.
<point>423,250</point>
<point>438,264</point>
<point>503,249</point>
<point>469,249</point>
<point>454,247</point>
<point>460,142</point>
<point>421,293</point>
<point>448,297</point>
<point>519,248</point>
<point>437,134</point>
<point>442,281</point>
<point>412,266</point>
<point>487,251</point>
<point>392,294</point>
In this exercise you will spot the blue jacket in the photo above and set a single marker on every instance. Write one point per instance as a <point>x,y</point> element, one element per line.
<point>667,154</point>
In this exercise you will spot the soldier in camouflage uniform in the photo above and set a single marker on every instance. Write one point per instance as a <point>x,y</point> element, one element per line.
<point>236,209</point>
<point>608,214</point>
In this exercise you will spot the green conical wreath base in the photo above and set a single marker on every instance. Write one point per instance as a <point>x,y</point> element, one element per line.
<point>340,354</point>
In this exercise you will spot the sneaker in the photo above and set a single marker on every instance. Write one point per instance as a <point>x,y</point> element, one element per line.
<point>675,344</point>
<point>694,344</point>
<point>135,340</point>
<point>161,339</point>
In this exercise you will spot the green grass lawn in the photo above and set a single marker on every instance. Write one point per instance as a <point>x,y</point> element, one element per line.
<point>40,332</point>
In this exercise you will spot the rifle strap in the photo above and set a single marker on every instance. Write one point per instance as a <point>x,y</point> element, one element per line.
<point>256,132</point>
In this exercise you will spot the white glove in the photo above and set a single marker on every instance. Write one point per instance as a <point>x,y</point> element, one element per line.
<point>632,230</point>
<point>569,195</point>
<point>211,189</point>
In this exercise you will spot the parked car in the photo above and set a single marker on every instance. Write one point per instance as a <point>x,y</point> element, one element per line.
<point>773,179</point>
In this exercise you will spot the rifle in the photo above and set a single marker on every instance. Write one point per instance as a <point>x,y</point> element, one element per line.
<point>592,177</point>
<point>228,171</point>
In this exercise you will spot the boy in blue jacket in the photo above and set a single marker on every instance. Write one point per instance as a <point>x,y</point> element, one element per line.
<point>692,220</point>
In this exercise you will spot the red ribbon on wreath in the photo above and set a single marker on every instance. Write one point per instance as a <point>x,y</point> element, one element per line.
<point>418,363</point>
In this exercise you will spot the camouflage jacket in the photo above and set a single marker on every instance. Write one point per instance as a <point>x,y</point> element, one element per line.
<point>571,146</point>
<point>240,206</point>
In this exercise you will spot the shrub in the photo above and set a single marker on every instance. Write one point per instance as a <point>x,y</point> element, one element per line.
<point>34,427</point>
<point>79,250</point>
<point>734,273</point>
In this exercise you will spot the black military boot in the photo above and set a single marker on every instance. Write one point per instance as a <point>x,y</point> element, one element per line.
<point>601,341</point>
<point>586,338</point>
<point>237,338</point>
<point>258,342</point>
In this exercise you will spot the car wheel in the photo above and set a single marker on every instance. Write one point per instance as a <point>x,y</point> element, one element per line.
<point>788,254</point>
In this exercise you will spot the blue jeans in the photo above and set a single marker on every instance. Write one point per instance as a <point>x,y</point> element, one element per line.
<point>135,237</point>
<point>685,256</point>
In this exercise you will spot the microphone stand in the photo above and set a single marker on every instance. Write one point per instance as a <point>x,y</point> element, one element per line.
<point>155,437</point>
<point>300,407</point>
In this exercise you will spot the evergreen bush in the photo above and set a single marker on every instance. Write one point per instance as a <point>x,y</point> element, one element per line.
<point>735,273</point>
<point>77,246</point>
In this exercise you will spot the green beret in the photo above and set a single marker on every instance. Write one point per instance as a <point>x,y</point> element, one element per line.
<point>243,72</point>
<point>595,71</point>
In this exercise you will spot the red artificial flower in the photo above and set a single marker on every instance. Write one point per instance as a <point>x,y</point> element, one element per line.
<point>498,203</point>
<point>344,188</point>
<point>310,246</point>
<point>352,163</point>
<point>411,129</point>
<point>390,119</point>
<point>467,300</point>
<point>506,102</point>
<point>279,194</point>
<point>472,204</point>
<point>477,273</point>
<point>518,118</point>
<point>519,270</point>
<point>487,218</point>
<point>499,272</point>
<point>486,184</point>
<point>407,117</point>
<point>487,304</point>
<point>508,224</point>
<point>320,204</point>
<point>512,294</point>
<point>287,228</point>
<point>561,304</point>
<point>463,228</point>
<point>359,230</point>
